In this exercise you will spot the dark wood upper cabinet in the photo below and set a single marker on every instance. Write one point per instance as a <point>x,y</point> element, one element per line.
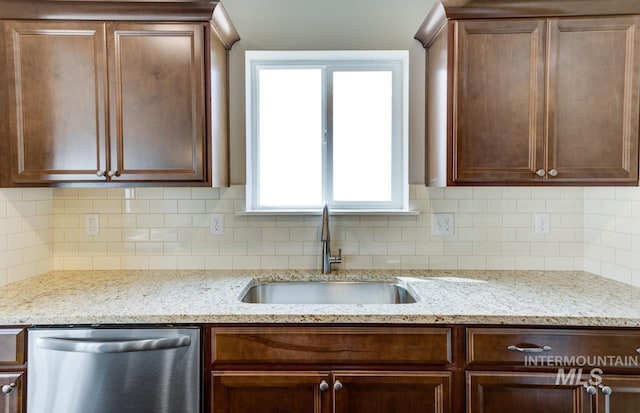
<point>57,106</point>
<point>133,101</point>
<point>594,73</point>
<point>499,104</point>
<point>528,95</point>
<point>156,89</point>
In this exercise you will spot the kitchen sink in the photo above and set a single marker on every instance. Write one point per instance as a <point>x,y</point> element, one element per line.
<point>328,292</point>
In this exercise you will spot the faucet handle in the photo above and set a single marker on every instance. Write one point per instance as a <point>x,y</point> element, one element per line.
<point>338,258</point>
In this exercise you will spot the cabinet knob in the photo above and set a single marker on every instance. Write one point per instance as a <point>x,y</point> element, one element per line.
<point>541,172</point>
<point>100,173</point>
<point>553,172</point>
<point>337,386</point>
<point>7,388</point>
<point>113,173</point>
<point>324,386</point>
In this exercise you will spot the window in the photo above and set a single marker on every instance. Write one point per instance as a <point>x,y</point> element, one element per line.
<point>326,127</point>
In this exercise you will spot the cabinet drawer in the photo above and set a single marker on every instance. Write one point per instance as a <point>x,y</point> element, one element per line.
<point>554,347</point>
<point>11,346</point>
<point>313,345</point>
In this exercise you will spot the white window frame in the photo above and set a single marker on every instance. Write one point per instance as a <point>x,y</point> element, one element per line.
<point>397,61</point>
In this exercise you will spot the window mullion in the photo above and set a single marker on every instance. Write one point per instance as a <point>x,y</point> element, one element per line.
<point>327,162</point>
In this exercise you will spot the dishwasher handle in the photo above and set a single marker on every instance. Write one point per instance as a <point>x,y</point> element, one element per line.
<point>97,346</point>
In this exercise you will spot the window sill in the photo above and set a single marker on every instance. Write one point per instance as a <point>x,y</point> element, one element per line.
<point>318,212</point>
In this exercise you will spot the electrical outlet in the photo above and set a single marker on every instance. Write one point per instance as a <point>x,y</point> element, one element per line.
<point>217,224</point>
<point>92,224</point>
<point>541,224</point>
<point>442,224</point>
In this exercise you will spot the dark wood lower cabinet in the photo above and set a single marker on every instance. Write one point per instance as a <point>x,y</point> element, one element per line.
<point>270,392</point>
<point>337,392</point>
<point>502,392</point>
<point>389,392</point>
<point>623,397</point>
<point>13,401</point>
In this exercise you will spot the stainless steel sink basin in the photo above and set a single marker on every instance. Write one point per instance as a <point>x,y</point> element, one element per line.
<point>328,292</point>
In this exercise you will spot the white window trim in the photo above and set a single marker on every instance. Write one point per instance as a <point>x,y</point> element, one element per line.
<point>350,60</point>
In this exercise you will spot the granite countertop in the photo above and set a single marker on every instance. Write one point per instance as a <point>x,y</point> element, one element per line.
<point>445,297</point>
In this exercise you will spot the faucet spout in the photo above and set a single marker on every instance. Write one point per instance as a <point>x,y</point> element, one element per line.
<point>325,237</point>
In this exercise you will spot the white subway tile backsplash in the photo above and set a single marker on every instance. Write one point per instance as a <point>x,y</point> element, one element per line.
<point>501,263</point>
<point>474,206</point>
<point>531,205</point>
<point>214,262</point>
<point>487,193</point>
<point>472,263</point>
<point>597,229</point>
<point>135,206</point>
<point>134,262</point>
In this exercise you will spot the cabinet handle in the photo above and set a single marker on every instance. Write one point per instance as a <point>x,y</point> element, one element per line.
<point>606,390</point>
<point>7,388</point>
<point>113,173</point>
<point>638,350</point>
<point>541,172</point>
<point>337,386</point>
<point>324,386</point>
<point>529,349</point>
<point>592,391</point>
<point>553,172</point>
<point>100,173</point>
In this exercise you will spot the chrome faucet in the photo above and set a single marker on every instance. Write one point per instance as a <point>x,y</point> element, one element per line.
<point>327,259</point>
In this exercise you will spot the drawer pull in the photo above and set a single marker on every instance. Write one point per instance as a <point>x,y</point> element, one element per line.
<point>529,349</point>
<point>638,350</point>
<point>324,386</point>
<point>6,389</point>
<point>337,386</point>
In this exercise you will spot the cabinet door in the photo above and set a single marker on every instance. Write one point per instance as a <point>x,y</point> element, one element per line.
<point>624,395</point>
<point>56,98</point>
<point>497,392</point>
<point>594,69</point>
<point>391,392</point>
<point>156,86</point>
<point>11,402</point>
<point>270,392</point>
<point>498,129</point>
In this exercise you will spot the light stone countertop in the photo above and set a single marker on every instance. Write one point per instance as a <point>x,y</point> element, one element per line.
<point>445,297</point>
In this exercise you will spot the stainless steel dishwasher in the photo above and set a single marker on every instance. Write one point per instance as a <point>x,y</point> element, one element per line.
<point>107,370</point>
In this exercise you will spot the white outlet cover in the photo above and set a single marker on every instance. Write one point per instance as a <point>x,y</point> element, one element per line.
<point>541,224</point>
<point>217,224</point>
<point>442,224</point>
<point>92,224</point>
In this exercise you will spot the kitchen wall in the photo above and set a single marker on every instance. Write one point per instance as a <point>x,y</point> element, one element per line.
<point>26,233</point>
<point>328,25</point>
<point>612,233</point>
<point>597,229</point>
<point>154,228</point>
